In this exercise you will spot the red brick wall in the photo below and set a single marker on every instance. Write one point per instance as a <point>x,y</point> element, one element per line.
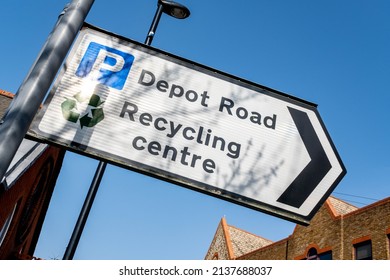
<point>31,195</point>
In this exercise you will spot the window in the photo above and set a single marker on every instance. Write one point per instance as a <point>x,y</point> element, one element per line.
<point>388,242</point>
<point>313,255</point>
<point>326,255</point>
<point>363,250</point>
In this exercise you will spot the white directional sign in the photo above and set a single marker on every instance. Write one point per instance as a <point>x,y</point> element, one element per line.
<point>153,112</point>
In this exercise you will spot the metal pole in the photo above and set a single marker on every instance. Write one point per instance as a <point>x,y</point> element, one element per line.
<point>33,89</point>
<point>83,216</point>
<point>153,26</point>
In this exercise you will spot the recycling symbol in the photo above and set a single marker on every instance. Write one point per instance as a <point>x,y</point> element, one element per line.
<point>71,106</point>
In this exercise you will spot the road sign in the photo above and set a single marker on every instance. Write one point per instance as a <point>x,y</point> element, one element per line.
<point>156,113</point>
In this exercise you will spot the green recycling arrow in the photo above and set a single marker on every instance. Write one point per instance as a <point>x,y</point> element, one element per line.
<point>70,105</point>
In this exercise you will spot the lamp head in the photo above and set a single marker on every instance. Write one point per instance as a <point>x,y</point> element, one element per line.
<point>174,9</point>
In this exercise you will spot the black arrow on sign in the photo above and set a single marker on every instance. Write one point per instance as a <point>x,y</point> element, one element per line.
<point>305,183</point>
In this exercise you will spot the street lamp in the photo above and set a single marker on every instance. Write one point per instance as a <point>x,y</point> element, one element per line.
<point>171,8</point>
<point>175,10</point>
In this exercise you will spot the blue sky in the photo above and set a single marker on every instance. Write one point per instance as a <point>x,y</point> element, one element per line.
<point>332,53</point>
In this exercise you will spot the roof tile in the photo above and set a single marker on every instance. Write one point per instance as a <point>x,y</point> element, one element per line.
<point>244,242</point>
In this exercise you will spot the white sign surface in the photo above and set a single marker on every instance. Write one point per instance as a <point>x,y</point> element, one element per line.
<point>150,111</point>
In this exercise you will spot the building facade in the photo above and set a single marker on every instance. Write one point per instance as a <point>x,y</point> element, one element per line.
<point>25,193</point>
<point>339,231</point>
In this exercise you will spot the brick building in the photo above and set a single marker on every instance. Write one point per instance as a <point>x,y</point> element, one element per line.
<point>339,231</point>
<point>25,192</point>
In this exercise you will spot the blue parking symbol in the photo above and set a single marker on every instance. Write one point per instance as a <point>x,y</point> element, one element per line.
<point>107,65</point>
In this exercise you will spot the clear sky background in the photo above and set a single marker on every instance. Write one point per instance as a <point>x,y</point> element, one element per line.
<point>332,53</point>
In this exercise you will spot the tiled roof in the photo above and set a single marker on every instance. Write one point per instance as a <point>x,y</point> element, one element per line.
<point>341,207</point>
<point>244,242</point>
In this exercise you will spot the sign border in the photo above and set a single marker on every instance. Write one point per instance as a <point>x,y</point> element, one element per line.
<point>178,179</point>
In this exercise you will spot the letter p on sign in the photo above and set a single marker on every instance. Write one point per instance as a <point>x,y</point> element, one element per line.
<point>107,65</point>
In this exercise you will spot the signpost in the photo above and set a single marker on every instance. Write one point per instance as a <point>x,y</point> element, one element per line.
<point>158,114</point>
